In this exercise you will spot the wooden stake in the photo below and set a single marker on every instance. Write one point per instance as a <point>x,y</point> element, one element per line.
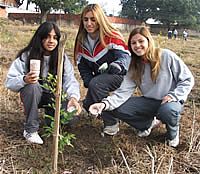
<point>58,102</point>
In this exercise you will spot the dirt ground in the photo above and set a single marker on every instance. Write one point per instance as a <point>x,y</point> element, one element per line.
<point>93,154</point>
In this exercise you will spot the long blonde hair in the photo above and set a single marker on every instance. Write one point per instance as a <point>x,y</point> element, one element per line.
<point>105,27</point>
<point>152,55</point>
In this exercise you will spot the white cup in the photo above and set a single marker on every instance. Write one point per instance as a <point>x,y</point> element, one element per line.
<point>35,66</point>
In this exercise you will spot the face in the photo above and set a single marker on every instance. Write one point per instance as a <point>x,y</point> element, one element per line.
<point>90,23</point>
<point>50,42</point>
<point>139,44</point>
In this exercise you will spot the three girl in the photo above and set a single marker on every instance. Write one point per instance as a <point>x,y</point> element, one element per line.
<point>103,60</point>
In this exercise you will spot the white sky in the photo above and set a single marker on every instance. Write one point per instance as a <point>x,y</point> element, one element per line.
<point>110,6</point>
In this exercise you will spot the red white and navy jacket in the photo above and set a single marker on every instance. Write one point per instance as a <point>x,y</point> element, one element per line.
<point>89,61</point>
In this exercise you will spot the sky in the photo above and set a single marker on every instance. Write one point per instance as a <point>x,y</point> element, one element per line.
<point>110,6</point>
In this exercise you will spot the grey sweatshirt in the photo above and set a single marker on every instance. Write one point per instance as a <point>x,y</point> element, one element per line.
<point>17,70</point>
<point>174,79</point>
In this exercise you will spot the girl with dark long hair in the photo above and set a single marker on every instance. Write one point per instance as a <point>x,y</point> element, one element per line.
<point>20,78</point>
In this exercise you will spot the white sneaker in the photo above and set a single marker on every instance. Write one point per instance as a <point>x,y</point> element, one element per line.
<point>175,141</point>
<point>32,137</point>
<point>111,130</point>
<point>144,133</point>
<point>155,123</point>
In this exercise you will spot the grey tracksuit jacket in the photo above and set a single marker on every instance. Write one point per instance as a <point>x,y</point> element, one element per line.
<point>17,70</point>
<point>174,79</point>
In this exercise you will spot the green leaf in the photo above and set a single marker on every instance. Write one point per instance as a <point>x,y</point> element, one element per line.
<point>64,137</point>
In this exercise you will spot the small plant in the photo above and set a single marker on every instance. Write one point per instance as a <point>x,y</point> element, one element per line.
<point>65,116</point>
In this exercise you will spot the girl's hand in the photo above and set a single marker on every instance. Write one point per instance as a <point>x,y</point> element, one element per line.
<point>31,77</point>
<point>74,105</point>
<point>166,99</point>
<point>97,108</point>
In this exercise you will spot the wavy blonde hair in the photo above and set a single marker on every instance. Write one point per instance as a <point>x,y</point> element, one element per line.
<point>105,27</point>
<point>152,55</point>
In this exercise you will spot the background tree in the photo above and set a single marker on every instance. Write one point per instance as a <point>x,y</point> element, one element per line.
<point>135,9</point>
<point>75,6</point>
<point>46,6</point>
<point>181,12</point>
<point>19,2</point>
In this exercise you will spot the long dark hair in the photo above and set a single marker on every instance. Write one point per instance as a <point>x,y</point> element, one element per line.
<point>35,49</point>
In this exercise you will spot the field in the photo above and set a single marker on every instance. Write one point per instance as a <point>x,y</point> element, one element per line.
<point>123,153</point>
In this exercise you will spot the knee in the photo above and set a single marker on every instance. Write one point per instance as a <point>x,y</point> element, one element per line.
<point>169,115</point>
<point>94,84</point>
<point>30,89</point>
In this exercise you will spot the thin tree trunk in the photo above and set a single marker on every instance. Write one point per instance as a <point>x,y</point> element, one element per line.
<point>44,16</point>
<point>27,4</point>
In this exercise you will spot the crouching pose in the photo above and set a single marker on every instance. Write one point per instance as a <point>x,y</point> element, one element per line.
<point>101,53</point>
<point>164,81</point>
<point>24,78</point>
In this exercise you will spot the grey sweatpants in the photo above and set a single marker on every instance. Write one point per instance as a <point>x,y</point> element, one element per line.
<point>140,111</point>
<point>33,97</point>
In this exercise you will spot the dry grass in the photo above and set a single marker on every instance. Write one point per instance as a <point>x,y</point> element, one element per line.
<point>124,153</point>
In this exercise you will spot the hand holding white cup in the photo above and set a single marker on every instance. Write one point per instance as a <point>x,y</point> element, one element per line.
<point>35,66</point>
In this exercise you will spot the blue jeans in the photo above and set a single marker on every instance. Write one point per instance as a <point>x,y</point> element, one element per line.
<point>140,111</point>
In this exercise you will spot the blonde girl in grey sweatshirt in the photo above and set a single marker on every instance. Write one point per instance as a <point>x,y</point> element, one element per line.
<point>164,81</point>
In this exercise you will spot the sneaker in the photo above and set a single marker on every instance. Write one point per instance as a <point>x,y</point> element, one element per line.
<point>174,142</point>
<point>155,123</point>
<point>111,130</point>
<point>144,133</point>
<point>32,137</point>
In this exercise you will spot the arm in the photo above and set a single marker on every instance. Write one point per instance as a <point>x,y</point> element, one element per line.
<point>85,72</point>
<point>15,77</point>
<point>121,55</point>
<point>123,58</point>
<point>71,87</point>
<point>183,78</point>
<point>70,84</point>
<point>118,97</point>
